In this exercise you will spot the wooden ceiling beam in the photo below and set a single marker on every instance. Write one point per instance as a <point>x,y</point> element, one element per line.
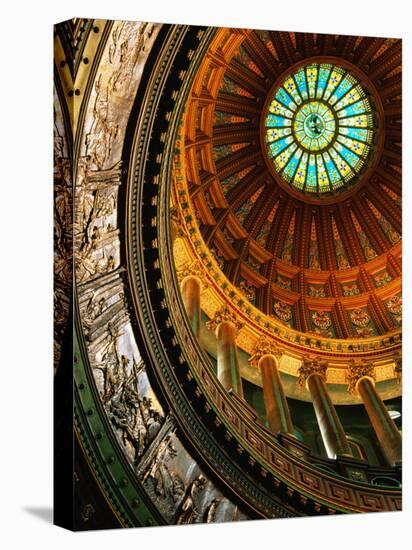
<point>389,177</point>
<point>281,221</point>
<point>391,154</point>
<point>345,46</point>
<point>341,322</point>
<point>246,188</point>
<point>348,235</point>
<point>395,265</point>
<point>261,56</point>
<point>300,43</point>
<point>391,86</point>
<point>327,238</point>
<point>237,105</point>
<point>220,215</point>
<point>393,108</point>
<point>380,315</point>
<point>247,79</point>
<point>302,323</point>
<point>238,161</point>
<point>284,47</point>
<point>283,228</point>
<point>386,62</point>
<point>234,133</point>
<point>321,239</point>
<point>366,50</point>
<point>370,225</point>
<point>387,207</point>
<point>302,235</point>
<point>261,210</point>
<point>328,44</point>
<point>309,44</point>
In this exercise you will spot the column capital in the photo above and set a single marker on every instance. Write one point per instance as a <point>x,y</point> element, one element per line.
<point>264,347</point>
<point>192,270</point>
<point>357,371</point>
<point>310,366</point>
<point>398,367</point>
<point>223,315</point>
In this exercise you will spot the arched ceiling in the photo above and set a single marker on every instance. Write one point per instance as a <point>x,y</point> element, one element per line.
<point>323,263</point>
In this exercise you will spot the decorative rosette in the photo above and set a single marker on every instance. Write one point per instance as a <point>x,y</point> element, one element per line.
<point>319,129</point>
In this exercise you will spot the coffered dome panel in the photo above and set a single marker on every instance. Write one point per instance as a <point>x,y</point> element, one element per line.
<point>293,166</point>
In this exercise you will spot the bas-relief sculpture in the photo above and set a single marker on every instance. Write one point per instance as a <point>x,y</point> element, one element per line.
<point>148,436</point>
<point>147,432</point>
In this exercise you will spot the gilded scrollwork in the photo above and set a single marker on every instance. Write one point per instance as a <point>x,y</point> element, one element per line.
<point>224,314</point>
<point>310,366</point>
<point>356,371</point>
<point>193,269</point>
<point>264,347</point>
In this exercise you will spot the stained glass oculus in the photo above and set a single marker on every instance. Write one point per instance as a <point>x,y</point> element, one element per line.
<point>319,128</point>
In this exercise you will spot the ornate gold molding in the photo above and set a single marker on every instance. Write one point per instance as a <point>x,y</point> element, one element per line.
<point>357,371</point>
<point>224,315</point>
<point>311,365</point>
<point>193,270</point>
<point>264,347</point>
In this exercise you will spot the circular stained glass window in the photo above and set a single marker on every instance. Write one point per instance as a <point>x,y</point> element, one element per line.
<point>319,128</point>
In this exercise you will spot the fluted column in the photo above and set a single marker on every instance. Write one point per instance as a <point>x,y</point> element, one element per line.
<point>225,325</point>
<point>361,379</point>
<point>313,374</point>
<point>191,286</point>
<point>266,357</point>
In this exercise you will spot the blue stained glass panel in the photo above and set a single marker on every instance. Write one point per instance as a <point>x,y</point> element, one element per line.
<point>319,128</point>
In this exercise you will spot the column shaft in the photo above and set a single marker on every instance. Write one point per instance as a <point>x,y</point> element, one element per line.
<point>386,431</point>
<point>277,410</point>
<point>228,371</point>
<point>191,300</point>
<point>333,435</point>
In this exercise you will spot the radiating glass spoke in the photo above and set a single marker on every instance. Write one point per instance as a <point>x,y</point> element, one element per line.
<point>319,128</point>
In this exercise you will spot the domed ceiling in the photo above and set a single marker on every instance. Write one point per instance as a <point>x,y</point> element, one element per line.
<point>293,164</point>
<point>309,263</point>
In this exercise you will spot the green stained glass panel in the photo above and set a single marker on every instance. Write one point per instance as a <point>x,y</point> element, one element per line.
<point>319,128</point>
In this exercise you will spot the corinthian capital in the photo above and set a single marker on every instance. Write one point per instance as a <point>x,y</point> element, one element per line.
<point>194,269</point>
<point>398,368</point>
<point>223,315</point>
<point>311,365</point>
<point>264,347</point>
<point>357,371</point>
